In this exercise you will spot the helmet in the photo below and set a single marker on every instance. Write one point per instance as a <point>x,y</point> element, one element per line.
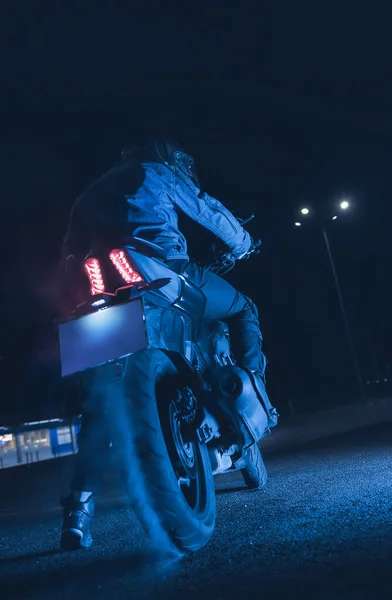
<point>166,151</point>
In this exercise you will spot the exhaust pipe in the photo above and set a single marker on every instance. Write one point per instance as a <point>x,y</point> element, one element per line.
<point>236,395</point>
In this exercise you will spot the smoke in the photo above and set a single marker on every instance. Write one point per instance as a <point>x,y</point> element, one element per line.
<point>124,436</point>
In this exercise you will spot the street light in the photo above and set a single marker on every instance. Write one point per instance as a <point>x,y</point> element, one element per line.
<point>305,211</point>
<point>344,205</point>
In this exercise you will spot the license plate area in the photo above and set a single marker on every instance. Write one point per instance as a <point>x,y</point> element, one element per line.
<point>102,336</point>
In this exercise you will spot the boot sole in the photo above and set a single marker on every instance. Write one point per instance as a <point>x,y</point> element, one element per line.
<point>74,539</point>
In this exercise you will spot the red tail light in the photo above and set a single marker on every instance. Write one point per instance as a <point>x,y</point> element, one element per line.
<point>120,261</point>
<point>94,273</point>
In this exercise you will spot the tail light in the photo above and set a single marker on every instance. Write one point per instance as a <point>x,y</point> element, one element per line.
<point>120,261</point>
<point>94,273</point>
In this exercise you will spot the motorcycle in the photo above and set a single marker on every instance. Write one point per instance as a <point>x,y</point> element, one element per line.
<point>179,408</point>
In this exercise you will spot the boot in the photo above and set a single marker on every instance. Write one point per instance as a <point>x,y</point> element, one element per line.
<point>77,516</point>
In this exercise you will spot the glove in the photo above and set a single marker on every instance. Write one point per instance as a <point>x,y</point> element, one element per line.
<point>254,248</point>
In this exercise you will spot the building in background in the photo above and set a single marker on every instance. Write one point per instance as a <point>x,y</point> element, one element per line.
<point>38,440</point>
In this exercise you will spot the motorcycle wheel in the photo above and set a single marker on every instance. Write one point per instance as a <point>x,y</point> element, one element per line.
<point>255,473</point>
<point>168,481</point>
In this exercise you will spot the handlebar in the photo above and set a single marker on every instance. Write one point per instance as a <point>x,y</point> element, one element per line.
<point>245,221</point>
<point>226,261</point>
<point>247,215</point>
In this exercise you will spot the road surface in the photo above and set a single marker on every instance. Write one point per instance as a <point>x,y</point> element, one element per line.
<point>321,529</point>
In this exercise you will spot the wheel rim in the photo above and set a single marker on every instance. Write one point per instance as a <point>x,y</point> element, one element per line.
<point>187,461</point>
<point>185,450</point>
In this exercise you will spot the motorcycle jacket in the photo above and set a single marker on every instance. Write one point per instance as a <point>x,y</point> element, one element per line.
<point>143,198</point>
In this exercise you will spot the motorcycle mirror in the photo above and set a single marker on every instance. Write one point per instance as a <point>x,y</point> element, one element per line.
<point>243,215</point>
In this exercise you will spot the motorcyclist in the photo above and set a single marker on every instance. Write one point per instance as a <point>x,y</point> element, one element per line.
<point>142,195</point>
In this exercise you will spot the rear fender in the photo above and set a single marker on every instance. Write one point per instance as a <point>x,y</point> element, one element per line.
<point>168,329</point>
<point>179,291</point>
<point>151,269</point>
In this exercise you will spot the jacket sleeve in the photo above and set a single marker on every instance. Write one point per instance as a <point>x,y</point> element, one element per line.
<point>211,214</point>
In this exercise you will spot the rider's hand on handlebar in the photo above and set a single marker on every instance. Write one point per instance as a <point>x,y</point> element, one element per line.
<point>254,248</point>
<point>227,260</point>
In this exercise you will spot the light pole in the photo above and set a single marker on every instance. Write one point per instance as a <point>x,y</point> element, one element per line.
<point>344,205</point>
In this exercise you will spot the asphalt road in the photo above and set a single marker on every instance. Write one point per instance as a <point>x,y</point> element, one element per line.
<point>321,529</point>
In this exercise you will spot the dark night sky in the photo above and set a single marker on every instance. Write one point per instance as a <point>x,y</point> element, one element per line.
<point>283,105</point>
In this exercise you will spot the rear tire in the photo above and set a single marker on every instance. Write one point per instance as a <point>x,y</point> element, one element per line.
<point>254,474</point>
<point>178,516</point>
